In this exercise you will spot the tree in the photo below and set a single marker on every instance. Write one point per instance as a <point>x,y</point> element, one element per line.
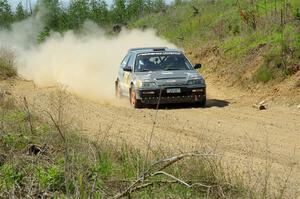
<point>135,8</point>
<point>159,5</point>
<point>6,16</point>
<point>50,11</point>
<point>149,5</point>
<point>78,12</point>
<point>119,13</point>
<point>178,2</point>
<point>99,12</point>
<point>20,12</point>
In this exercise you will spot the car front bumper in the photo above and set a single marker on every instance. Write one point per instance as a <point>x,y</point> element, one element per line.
<point>186,95</point>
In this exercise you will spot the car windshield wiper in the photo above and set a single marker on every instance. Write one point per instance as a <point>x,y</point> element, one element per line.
<point>145,70</point>
<point>174,69</point>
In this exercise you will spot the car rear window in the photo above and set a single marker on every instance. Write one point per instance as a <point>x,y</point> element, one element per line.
<point>156,61</point>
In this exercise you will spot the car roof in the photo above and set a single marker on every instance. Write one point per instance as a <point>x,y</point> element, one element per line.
<point>153,49</point>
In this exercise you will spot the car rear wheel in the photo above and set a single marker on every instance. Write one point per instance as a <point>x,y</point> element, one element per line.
<point>117,90</point>
<point>133,101</point>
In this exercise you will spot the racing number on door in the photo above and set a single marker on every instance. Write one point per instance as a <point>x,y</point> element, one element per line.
<point>127,79</point>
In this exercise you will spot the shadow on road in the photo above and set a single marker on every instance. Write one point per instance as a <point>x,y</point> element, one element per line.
<point>216,103</point>
<point>209,104</point>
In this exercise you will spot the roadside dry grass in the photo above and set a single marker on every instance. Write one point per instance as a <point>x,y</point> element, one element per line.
<point>7,63</point>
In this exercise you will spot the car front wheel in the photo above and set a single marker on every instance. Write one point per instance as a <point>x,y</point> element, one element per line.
<point>133,101</point>
<point>202,103</point>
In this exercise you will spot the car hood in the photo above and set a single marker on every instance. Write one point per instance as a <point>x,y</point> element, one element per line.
<point>168,78</point>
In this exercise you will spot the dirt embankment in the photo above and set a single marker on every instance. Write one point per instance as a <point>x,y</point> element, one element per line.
<point>252,142</point>
<point>239,75</point>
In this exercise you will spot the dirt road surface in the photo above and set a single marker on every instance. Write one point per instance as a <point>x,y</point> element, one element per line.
<point>251,142</point>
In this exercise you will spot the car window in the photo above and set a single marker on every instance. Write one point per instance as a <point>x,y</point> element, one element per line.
<point>125,60</point>
<point>161,61</point>
<point>131,61</point>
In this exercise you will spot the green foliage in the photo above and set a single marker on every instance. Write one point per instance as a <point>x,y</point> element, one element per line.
<point>291,41</point>
<point>264,74</point>
<point>132,163</point>
<point>14,142</point>
<point>99,12</point>
<point>159,5</point>
<point>78,12</point>
<point>239,30</point>
<point>6,15</point>
<point>53,17</point>
<point>119,13</point>
<point>14,116</point>
<point>104,165</point>
<point>43,35</point>
<point>7,62</point>
<point>135,8</point>
<point>51,178</point>
<point>9,177</point>
<point>20,13</point>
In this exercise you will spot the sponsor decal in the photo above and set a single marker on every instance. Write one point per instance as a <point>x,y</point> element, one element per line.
<point>159,53</point>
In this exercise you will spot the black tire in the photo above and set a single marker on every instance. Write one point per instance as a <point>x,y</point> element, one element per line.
<point>117,90</point>
<point>133,101</point>
<point>201,103</point>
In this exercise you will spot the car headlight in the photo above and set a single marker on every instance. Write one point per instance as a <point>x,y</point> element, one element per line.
<point>148,84</point>
<point>195,81</point>
<point>141,84</point>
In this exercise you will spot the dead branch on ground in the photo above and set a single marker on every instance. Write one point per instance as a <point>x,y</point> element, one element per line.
<point>161,165</point>
<point>28,115</point>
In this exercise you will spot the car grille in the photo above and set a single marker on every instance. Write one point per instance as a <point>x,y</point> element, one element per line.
<point>171,84</point>
<point>173,99</point>
<point>176,81</point>
<point>184,92</point>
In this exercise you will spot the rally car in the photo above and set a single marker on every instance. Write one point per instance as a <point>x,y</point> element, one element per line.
<point>159,76</point>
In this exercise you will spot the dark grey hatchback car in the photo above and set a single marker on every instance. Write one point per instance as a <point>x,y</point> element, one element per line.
<point>159,75</point>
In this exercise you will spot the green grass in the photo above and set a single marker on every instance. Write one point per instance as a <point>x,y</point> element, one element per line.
<point>10,177</point>
<point>264,74</point>
<point>51,178</point>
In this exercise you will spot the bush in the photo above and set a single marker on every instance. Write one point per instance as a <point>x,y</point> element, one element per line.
<point>264,74</point>
<point>51,178</point>
<point>10,177</point>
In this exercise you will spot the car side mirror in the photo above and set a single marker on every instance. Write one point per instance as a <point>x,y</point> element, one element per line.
<point>127,69</point>
<point>197,66</point>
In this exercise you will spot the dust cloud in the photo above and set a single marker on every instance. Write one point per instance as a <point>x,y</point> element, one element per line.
<point>85,63</point>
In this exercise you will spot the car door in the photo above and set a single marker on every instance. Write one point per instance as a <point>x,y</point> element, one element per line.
<point>124,75</point>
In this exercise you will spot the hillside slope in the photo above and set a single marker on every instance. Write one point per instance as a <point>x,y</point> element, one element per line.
<point>253,46</point>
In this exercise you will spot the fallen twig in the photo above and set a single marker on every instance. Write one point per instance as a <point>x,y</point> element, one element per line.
<point>171,176</point>
<point>173,159</point>
<point>56,126</point>
<point>28,115</point>
<point>170,160</point>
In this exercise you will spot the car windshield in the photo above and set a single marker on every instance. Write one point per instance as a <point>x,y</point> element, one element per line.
<point>161,61</point>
